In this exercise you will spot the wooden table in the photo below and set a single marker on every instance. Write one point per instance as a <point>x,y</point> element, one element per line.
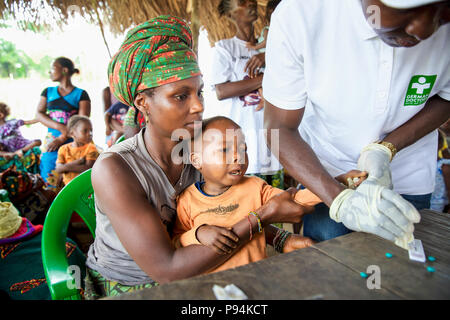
<point>331,270</point>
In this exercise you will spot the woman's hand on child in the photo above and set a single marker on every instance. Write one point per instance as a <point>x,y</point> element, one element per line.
<point>221,239</point>
<point>54,145</point>
<point>295,241</point>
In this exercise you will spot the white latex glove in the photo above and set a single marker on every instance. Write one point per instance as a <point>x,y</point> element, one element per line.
<point>375,160</point>
<point>376,209</point>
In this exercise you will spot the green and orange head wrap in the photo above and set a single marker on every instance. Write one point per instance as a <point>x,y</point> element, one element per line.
<point>154,53</point>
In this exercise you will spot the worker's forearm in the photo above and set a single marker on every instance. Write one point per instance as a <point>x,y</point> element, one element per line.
<point>435,113</point>
<point>238,88</point>
<point>300,161</point>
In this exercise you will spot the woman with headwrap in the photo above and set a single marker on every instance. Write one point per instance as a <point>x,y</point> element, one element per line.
<point>136,182</point>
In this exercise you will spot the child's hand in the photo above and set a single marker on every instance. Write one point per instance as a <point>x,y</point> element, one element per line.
<point>221,239</point>
<point>295,241</point>
<point>353,178</point>
<point>261,102</point>
<point>19,153</point>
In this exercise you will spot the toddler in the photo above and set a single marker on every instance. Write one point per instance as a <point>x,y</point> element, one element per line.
<point>226,196</point>
<point>12,143</point>
<point>77,156</point>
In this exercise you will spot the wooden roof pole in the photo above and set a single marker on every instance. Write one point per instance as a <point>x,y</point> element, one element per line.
<point>193,9</point>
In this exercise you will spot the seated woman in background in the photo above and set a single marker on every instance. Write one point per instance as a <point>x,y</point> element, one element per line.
<point>15,150</point>
<point>56,106</point>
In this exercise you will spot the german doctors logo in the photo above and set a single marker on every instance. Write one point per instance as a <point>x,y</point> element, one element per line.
<point>419,89</point>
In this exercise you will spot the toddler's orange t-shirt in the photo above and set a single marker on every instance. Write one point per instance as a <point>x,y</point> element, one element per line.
<point>195,209</point>
<point>67,153</point>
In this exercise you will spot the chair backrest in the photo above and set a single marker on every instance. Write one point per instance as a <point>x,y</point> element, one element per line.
<point>78,196</point>
<point>121,138</point>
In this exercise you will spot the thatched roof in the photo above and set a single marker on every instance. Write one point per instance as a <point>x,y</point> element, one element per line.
<point>119,15</point>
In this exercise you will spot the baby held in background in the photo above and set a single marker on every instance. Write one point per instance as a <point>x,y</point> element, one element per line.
<point>226,196</point>
<point>261,45</point>
<point>12,143</point>
<point>80,155</point>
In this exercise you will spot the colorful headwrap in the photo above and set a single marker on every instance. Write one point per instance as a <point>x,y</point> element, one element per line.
<point>154,53</point>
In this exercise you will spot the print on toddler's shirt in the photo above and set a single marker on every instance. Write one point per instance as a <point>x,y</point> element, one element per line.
<point>250,99</point>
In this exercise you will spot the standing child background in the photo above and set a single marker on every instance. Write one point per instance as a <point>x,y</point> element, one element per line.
<point>80,155</point>
<point>14,148</point>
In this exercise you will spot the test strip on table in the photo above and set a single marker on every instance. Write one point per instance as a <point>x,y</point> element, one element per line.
<point>415,251</point>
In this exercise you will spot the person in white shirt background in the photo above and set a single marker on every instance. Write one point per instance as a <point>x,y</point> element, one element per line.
<point>360,84</point>
<point>236,79</point>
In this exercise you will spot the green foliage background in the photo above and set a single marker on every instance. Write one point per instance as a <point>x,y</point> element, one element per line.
<point>17,64</point>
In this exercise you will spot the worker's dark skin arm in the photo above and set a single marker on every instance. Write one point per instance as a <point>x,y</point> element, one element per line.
<point>435,113</point>
<point>238,88</point>
<point>140,230</point>
<point>306,168</point>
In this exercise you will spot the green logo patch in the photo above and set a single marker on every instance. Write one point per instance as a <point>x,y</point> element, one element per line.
<point>419,90</point>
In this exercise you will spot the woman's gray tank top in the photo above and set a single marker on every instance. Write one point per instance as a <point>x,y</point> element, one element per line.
<point>107,255</point>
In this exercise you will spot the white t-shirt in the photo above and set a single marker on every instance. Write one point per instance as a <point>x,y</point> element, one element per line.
<point>356,89</point>
<point>229,60</point>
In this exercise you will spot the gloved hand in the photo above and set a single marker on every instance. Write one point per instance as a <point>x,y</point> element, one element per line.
<point>375,159</point>
<point>376,209</point>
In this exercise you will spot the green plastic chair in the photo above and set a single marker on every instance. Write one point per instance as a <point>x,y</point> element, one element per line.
<point>4,196</point>
<point>122,138</point>
<point>76,196</point>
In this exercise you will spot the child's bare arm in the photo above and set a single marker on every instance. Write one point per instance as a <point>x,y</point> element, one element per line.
<point>35,143</point>
<point>256,46</point>
<point>77,166</point>
<point>28,122</point>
